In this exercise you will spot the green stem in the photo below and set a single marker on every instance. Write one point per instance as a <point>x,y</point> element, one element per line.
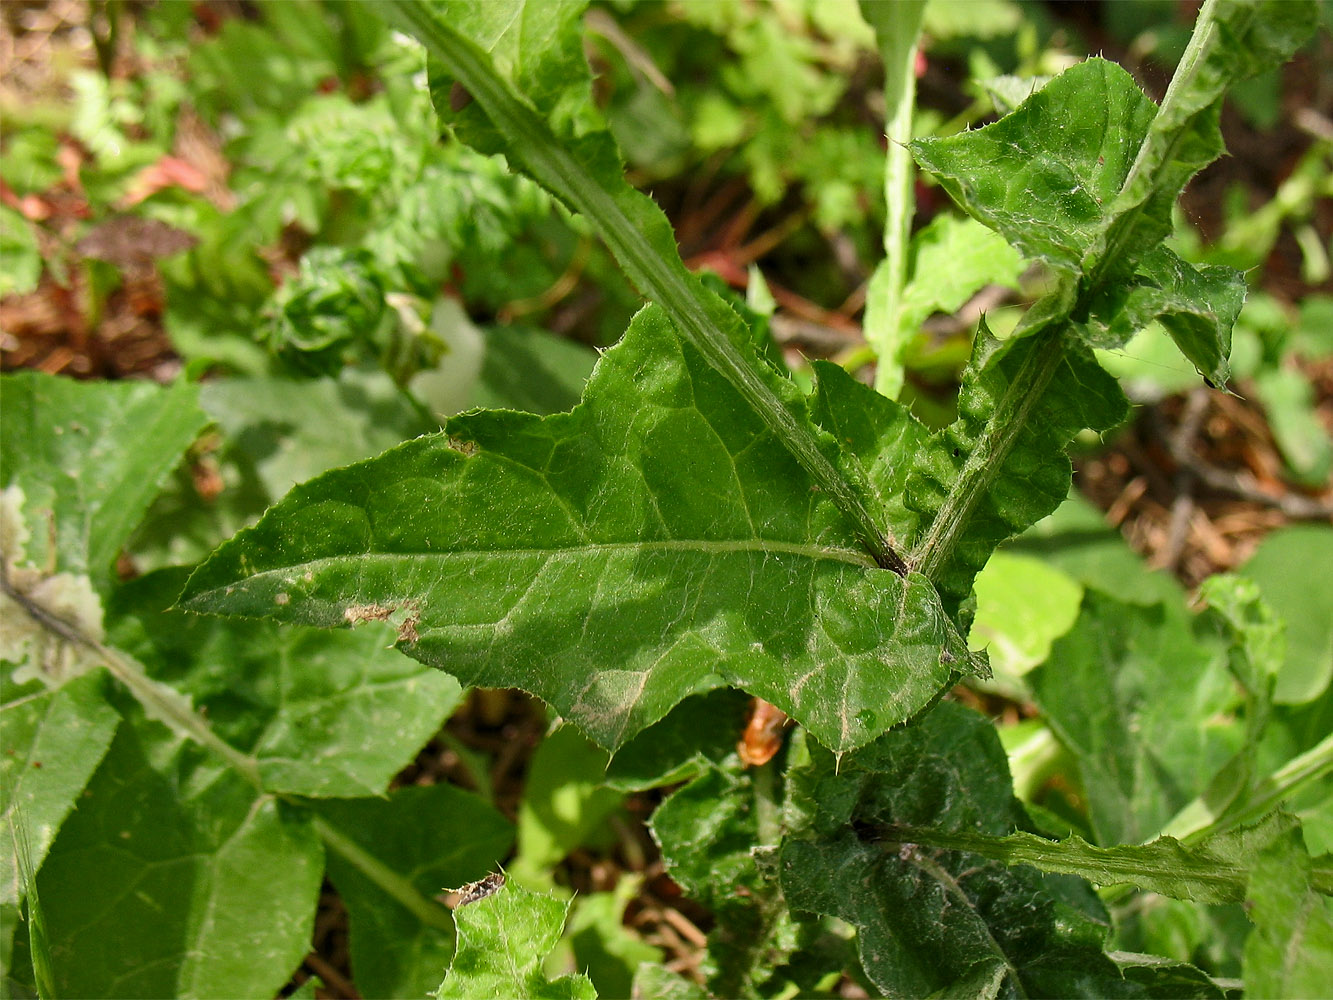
<point>1196,821</point>
<point>665,281</point>
<point>897,27</point>
<point>394,885</point>
<point>160,701</point>
<point>986,460</point>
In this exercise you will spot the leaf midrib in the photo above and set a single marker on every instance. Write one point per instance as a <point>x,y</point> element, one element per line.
<point>816,553</point>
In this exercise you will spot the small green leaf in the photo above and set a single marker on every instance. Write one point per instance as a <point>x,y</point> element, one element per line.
<point>1307,610</point>
<point>428,839</point>
<point>1197,305</point>
<point>89,458</point>
<point>656,542</point>
<point>1023,605</point>
<point>604,947</point>
<point>502,943</point>
<point>188,885</point>
<point>1044,175</point>
<point>1288,399</point>
<point>1290,950</point>
<point>564,801</point>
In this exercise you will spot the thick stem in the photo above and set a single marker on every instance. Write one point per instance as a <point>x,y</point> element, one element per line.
<point>665,281</point>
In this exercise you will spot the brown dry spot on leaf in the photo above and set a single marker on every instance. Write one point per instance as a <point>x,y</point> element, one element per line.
<point>355,614</point>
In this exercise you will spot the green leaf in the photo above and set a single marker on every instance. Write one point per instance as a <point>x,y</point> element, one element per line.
<point>656,542</point>
<point>1290,950</point>
<point>430,838</point>
<point>931,921</point>
<point>580,165</point>
<point>1076,539</point>
<point>952,259</point>
<point>531,370</point>
<point>606,949</point>
<point>1231,41</point>
<point>1288,399</point>
<point>322,713</point>
<point>565,800</point>
<point>1137,699</point>
<point>1044,175</point>
<point>1000,467</point>
<point>1307,610</point>
<point>1197,306</point>
<point>502,941</point>
<point>173,878</point>
<point>1023,605</point>
<point>53,741</point>
<point>697,734</point>
<point>276,432</point>
<point>712,833</point>
<point>656,982</point>
<point>89,458</point>
<point>1163,978</point>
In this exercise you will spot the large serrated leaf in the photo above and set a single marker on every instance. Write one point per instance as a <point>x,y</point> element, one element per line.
<point>656,542</point>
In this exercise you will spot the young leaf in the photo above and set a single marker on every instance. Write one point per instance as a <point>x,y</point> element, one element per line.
<point>89,458</point>
<point>932,921</point>
<point>502,942</point>
<point>656,542</point>
<point>173,878</point>
<point>438,837</point>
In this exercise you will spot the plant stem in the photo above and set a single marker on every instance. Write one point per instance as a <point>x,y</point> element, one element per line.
<point>897,26</point>
<point>987,458</point>
<point>400,889</point>
<point>663,280</point>
<point>158,700</point>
